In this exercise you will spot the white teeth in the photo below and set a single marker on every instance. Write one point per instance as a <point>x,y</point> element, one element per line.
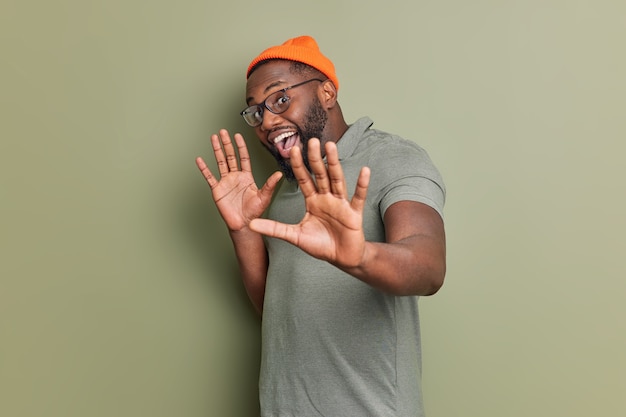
<point>283,136</point>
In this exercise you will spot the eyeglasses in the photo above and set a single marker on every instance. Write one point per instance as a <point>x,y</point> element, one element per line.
<point>277,102</point>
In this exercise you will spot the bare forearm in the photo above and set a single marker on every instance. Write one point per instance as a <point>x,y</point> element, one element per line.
<point>253,262</point>
<point>413,266</point>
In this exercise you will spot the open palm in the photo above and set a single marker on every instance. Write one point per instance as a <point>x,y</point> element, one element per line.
<point>236,195</point>
<point>332,228</point>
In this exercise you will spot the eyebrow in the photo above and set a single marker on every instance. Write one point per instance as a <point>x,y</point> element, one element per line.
<point>269,87</point>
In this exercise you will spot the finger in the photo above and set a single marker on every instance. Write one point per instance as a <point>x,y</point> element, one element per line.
<point>206,172</point>
<point>244,156</point>
<point>220,158</point>
<point>305,182</point>
<point>270,185</point>
<point>360,192</point>
<point>271,228</point>
<point>318,167</point>
<point>229,150</point>
<point>335,171</point>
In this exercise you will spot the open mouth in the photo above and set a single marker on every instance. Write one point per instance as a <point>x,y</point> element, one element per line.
<point>285,141</point>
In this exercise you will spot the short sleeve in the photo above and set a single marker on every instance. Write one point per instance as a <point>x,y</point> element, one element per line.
<point>403,171</point>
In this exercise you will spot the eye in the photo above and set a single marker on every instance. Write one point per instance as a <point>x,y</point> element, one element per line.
<point>281,104</point>
<point>253,115</point>
<point>278,102</point>
<point>282,100</point>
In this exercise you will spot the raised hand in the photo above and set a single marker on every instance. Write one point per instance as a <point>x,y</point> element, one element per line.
<point>236,195</point>
<point>332,228</point>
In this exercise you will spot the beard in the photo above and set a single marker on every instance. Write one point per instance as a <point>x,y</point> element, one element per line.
<point>314,124</point>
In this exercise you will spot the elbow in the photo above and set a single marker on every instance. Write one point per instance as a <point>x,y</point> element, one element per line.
<point>435,285</point>
<point>437,278</point>
<point>419,284</point>
<point>436,273</point>
<point>431,280</point>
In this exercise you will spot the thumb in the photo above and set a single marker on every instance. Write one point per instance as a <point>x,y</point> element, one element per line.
<point>270,184</point>
<point>272,228</point>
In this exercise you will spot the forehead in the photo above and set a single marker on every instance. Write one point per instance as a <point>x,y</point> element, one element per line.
<point>268,78</point>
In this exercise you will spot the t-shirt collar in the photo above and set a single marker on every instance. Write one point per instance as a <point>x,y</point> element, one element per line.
<point>349,141</point>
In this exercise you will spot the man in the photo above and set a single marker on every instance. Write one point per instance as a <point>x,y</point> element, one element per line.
<point>336,259</point>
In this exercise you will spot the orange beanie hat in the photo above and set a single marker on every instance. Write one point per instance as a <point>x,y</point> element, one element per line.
<point>302,49</point>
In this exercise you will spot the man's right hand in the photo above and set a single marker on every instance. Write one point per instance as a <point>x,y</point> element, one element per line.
<point>236,195</point>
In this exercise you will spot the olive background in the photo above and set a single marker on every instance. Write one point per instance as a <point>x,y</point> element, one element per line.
<point>119,293</point>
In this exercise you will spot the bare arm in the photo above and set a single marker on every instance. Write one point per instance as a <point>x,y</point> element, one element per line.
<point>239,201</point>
<point>410,262</point>
<point>253,262</point>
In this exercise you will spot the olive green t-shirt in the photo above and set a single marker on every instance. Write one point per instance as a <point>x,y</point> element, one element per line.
<point>334,346</point>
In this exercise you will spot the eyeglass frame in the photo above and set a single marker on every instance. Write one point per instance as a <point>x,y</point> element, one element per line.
<point>262,106</point>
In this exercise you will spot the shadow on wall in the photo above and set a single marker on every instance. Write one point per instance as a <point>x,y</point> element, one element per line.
<point>206,245</point>
<point>203,228</point>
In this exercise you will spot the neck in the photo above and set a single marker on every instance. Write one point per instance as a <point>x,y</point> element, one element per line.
<point>336,125</point>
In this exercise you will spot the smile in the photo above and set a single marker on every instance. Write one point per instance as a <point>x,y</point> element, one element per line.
<point>283,136</point>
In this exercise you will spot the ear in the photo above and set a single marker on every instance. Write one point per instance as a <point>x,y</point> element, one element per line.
<point>328,94</point>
